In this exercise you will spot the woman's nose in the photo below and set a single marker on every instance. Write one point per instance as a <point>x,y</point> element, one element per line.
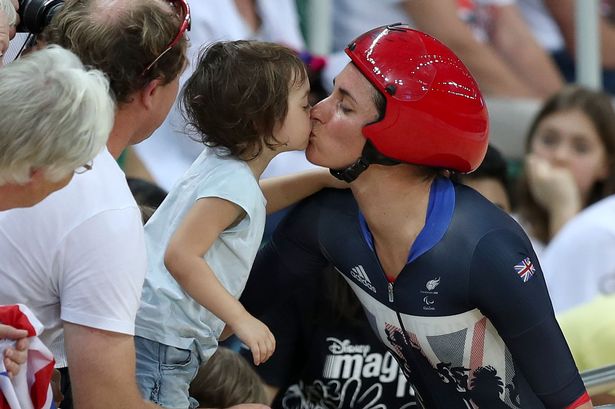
<point>318,111</point>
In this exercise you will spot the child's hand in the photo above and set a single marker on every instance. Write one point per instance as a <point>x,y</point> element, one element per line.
<point>256,336</point>
<point>15,356</point>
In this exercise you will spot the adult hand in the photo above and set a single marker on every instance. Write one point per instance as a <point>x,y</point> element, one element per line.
<point>14,357</point>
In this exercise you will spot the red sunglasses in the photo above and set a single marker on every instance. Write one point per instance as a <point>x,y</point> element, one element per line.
<point>183,6</point>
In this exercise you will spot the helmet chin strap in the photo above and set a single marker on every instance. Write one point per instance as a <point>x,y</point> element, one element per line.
<point>369,156</point>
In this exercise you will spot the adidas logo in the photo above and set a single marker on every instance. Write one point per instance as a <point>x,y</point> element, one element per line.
<point>359,273</point>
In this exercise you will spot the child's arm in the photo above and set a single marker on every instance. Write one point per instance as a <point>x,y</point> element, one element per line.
<point>205,221</point>
<point>283,191</point>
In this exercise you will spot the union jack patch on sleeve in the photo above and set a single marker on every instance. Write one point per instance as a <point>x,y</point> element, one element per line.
<point>525,269</point>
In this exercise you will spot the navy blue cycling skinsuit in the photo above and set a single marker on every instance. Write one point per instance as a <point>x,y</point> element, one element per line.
<point>468,318</point>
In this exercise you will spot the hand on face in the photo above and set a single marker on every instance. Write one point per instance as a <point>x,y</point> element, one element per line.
<point>552,186</point>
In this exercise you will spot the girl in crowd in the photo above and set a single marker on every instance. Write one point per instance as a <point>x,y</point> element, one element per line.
<point>248,101</point>
<point>570,161</point>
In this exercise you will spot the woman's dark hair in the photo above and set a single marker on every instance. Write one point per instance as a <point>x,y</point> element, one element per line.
<point>598,107</point>
<point>380,103</point>
<point>239,93</point>
<point>341,304</point>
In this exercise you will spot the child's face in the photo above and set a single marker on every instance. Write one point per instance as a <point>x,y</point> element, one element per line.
<point>569,139</point>
<point>294,132</point>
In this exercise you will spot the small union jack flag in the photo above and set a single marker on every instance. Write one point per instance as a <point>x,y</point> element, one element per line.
<point>525,269</point>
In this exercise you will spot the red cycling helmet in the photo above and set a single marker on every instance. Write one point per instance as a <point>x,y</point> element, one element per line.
<point>435,114</point>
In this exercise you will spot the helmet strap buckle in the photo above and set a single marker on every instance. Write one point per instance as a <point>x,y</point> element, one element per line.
<point>369,156</point>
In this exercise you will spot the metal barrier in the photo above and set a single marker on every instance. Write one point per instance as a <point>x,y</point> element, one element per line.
<point>599,380</point>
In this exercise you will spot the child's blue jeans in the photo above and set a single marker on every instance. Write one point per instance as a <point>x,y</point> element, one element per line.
<point>164,373</point>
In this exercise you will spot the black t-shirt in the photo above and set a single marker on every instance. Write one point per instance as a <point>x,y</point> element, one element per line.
<point>468,318</point>
<point>323,361</point>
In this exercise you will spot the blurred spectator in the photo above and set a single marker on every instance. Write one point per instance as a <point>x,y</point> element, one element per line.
<point>146,193</point>
<point>490,179</point>
<point>226,380</point>
<point>590,332</point>
<point>553,24</point>
<point>579,263</point>
<point>489,36</point>
<point>56,116</point>
<point>570,162</point>
<point>78,258</point>
<point>170,151</point>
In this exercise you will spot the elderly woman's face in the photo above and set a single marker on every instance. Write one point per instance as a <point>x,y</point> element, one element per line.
<point>336,140</point>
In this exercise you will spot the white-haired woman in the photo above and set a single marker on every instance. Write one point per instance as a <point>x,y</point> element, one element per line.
<point>56,116</point>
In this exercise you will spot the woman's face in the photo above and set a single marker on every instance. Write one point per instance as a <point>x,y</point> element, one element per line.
<point>569,139</point>
<point>337,139</point>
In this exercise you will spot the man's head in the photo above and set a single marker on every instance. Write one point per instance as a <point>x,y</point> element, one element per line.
<point>56,116</point>
<point>123,38</point>
<point>413,101</point>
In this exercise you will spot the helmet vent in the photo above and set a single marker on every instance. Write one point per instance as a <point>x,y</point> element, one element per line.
<point>390,89</point>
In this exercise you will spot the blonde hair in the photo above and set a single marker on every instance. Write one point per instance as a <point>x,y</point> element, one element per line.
<point>56,115</point>
<point>227,379</point>
<point>121,39</point>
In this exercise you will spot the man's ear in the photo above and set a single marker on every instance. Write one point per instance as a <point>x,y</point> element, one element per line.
<point>149,93</point>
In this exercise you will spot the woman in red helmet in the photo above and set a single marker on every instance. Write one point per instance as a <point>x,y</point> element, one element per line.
<point>449,282</point>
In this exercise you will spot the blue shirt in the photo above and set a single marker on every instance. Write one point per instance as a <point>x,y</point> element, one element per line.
<point>468,318</point>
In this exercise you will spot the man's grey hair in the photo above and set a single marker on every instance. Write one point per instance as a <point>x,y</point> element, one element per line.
<point>55,115</point>
<point>9,10</point>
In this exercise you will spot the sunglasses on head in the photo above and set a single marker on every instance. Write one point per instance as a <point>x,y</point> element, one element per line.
<point>184,10</point>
